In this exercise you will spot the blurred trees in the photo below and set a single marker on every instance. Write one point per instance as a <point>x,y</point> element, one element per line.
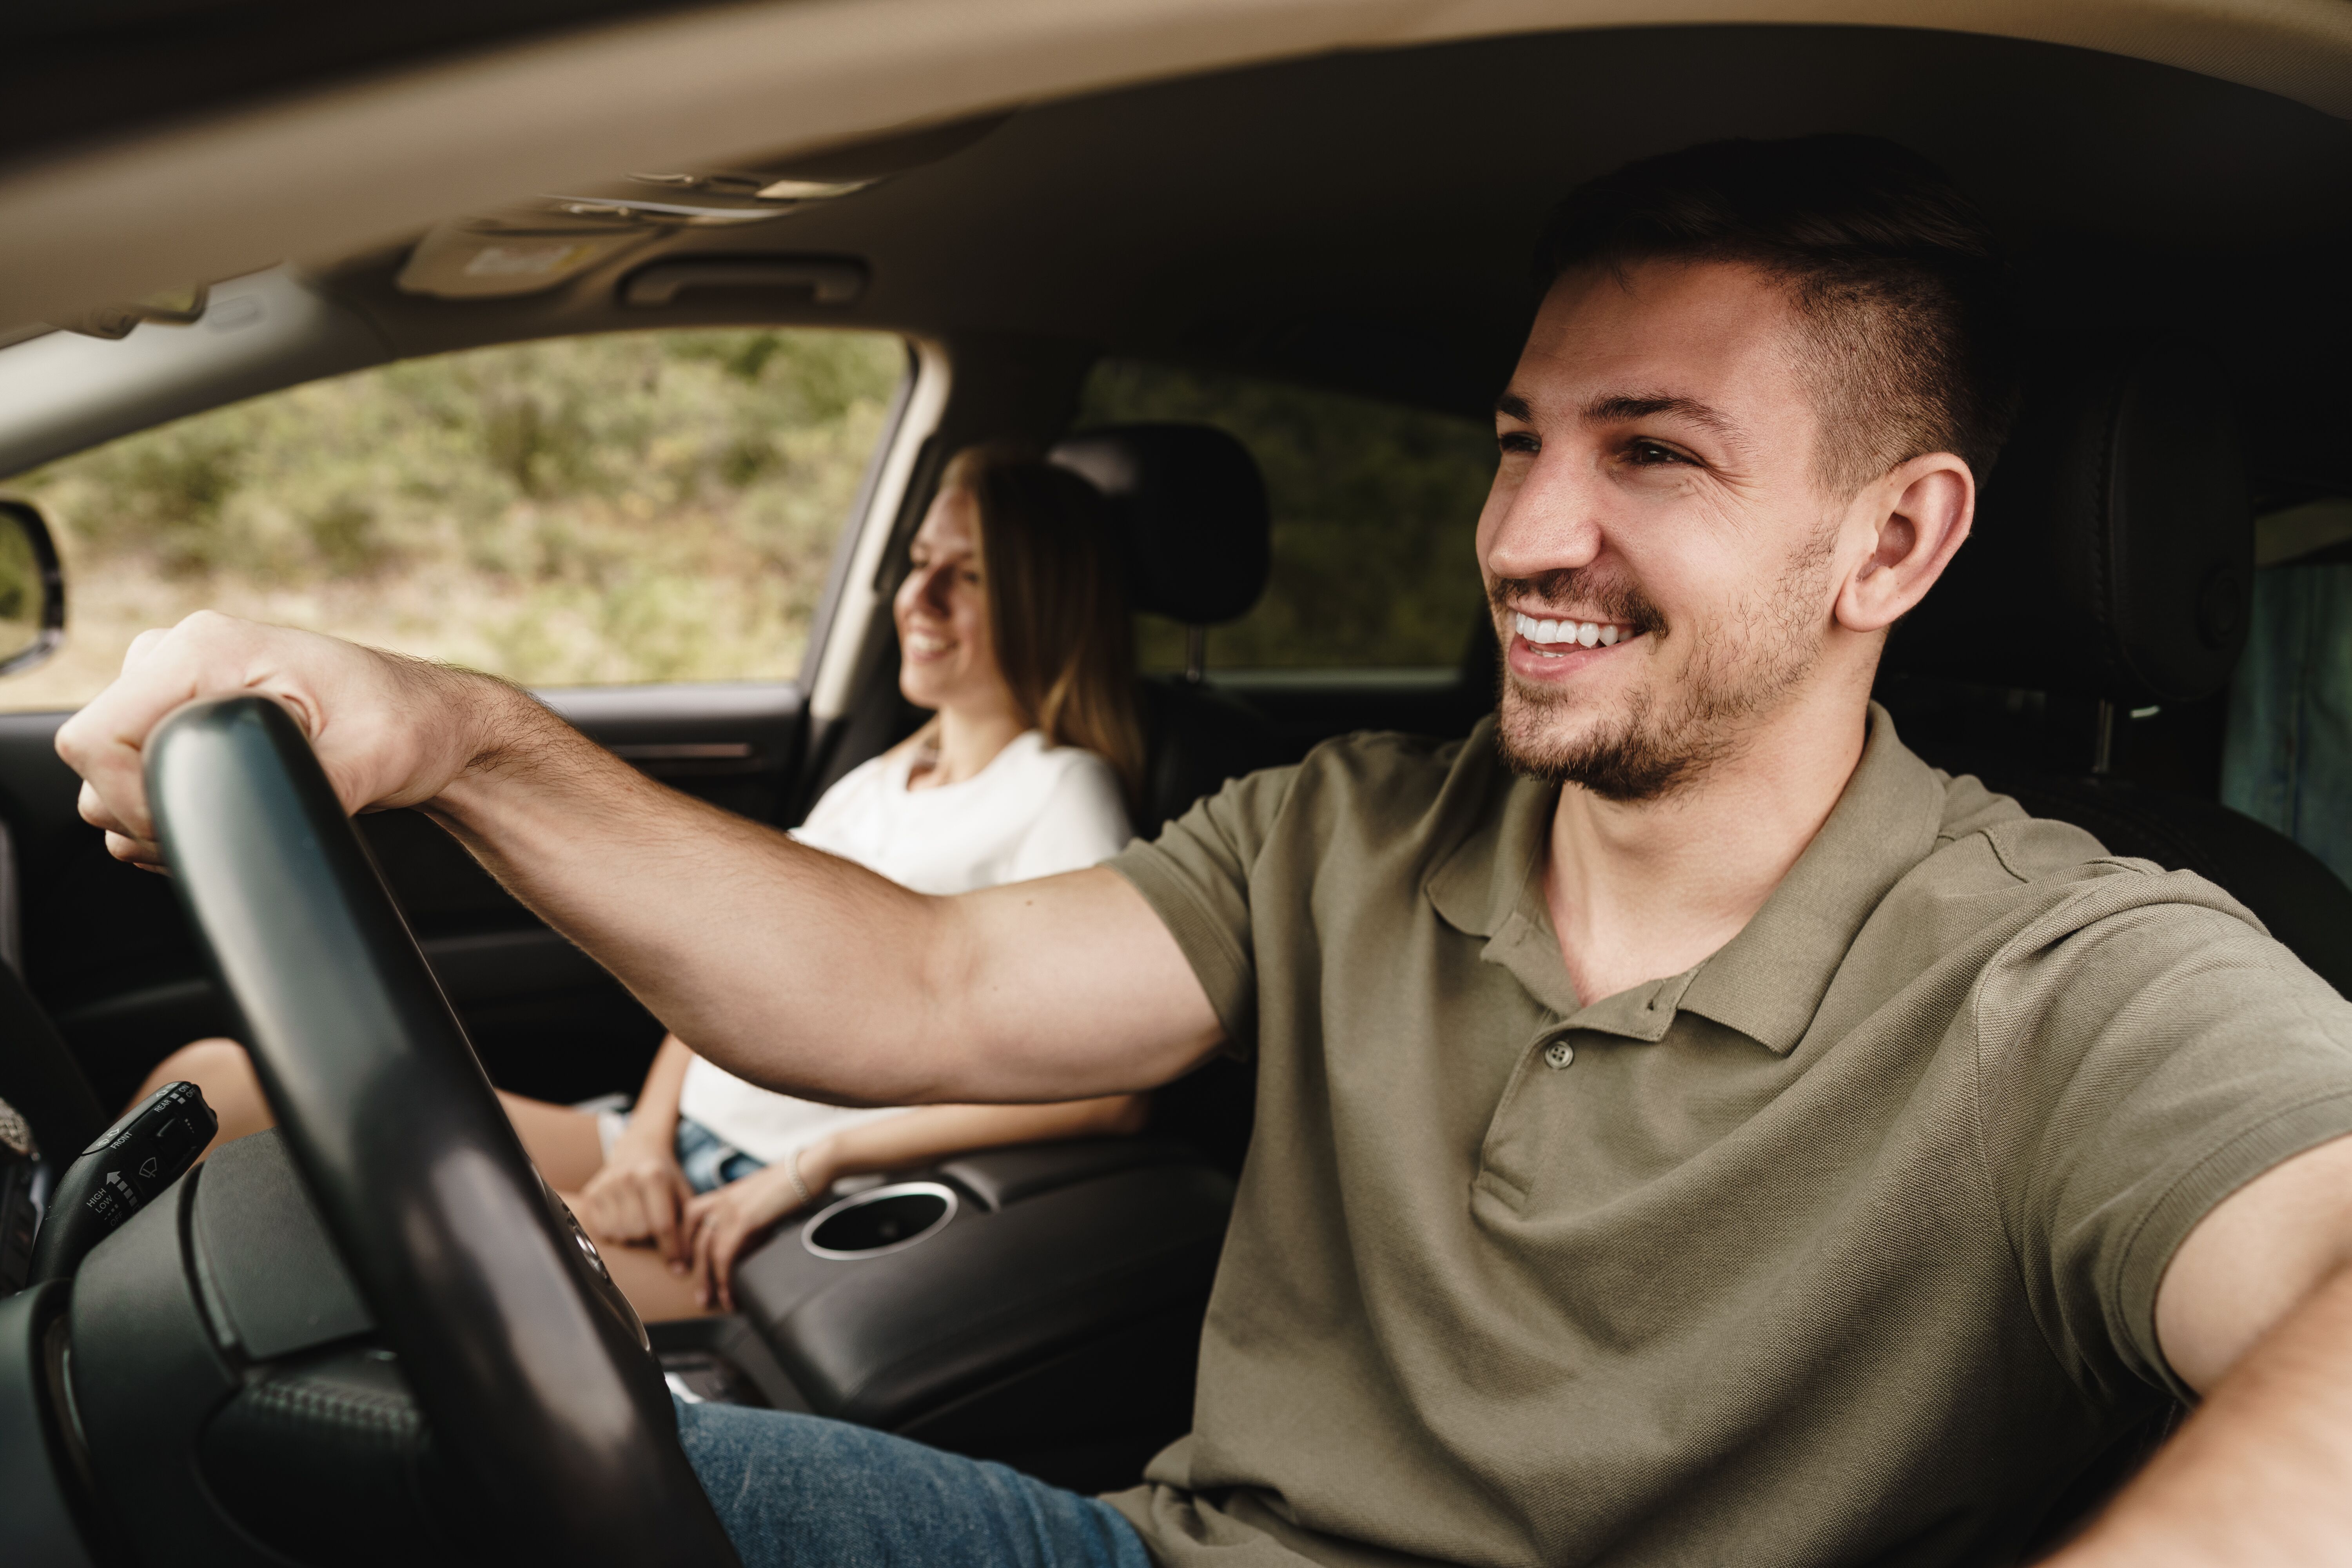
<point>644,506</point>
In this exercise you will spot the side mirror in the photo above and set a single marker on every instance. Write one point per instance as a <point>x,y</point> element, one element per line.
<point>32,589</point>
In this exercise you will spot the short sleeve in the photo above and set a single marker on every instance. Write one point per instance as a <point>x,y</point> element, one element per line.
<point>2137,1069</point>
<point>1082,821</point>
<point>1196,878</point>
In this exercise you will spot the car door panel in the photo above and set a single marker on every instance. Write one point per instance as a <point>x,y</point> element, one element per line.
<point>106,950</point>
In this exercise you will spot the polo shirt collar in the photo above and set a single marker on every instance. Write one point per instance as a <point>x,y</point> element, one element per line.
<point>1489,884</point>
<point>1767,982</point>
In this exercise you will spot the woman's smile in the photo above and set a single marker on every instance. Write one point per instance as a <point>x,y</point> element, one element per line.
<point>924,646</point>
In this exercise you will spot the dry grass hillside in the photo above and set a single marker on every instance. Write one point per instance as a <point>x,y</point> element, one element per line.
<point>633,507</point>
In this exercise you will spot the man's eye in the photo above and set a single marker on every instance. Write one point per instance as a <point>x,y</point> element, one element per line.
<point>1518,441</point>
<point>1651,455</point>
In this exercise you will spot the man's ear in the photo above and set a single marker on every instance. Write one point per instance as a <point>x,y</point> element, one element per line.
<point>1918,517</point>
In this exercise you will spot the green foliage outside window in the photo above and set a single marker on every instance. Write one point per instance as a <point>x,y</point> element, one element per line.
<point>1375,510</point>
<point>629,507</point>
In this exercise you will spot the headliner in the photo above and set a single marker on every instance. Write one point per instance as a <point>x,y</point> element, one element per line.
<point>1364,219</point>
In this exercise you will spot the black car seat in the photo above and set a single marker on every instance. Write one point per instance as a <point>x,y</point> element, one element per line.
<point>1191,509</point>
<point>2112,563</point>
<point>1193,528</point>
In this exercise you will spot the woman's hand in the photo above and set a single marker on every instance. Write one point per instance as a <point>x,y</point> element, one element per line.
<point>639,1194</point>
<point>720,1223</point>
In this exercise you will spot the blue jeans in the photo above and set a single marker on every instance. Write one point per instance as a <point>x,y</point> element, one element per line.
<point>800,1491</point>
<point>709,1161</point>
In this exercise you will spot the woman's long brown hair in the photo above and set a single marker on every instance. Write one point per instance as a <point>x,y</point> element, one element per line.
<point>1057,606</point>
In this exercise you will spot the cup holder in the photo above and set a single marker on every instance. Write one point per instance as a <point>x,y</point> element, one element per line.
<point>880,1220</point>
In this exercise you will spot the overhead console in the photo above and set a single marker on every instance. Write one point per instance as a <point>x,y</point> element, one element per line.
<point>542,242</point>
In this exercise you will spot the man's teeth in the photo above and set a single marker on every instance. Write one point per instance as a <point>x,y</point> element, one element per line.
<point>1606,633</point>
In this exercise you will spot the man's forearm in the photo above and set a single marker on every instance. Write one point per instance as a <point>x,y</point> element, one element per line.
<point>794,969</point>
<point>805,973</point>
<point>2262,1473</point>
<point>732,934</point>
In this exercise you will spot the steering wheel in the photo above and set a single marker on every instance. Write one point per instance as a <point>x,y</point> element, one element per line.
<point>527,1363</point>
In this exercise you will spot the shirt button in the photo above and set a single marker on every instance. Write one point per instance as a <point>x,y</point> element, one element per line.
<point>1558,1053</point>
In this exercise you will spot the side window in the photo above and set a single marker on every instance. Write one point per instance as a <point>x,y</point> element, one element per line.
<point>1375,514</point>
<point>631,507</point>
<point>2287,757</point>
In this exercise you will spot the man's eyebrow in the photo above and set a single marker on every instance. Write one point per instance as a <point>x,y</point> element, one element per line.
<point>1511,406</point>
<point>1619,408</point>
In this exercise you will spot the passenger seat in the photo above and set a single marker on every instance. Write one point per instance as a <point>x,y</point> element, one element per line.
<point>2112,559</point>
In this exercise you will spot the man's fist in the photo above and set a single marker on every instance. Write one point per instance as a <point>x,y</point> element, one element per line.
<point>389,730</point>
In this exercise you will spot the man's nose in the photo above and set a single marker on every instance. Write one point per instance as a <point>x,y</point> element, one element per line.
<point>1553,523</point>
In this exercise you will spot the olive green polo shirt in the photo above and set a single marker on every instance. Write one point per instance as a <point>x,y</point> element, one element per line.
<point>1842,1246</point>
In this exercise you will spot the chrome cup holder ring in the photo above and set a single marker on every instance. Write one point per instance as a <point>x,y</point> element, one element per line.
<point>880,1221</point>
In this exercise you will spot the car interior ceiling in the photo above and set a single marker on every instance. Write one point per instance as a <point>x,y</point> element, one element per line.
<point>1283,220</point>
<point>2177,239</point>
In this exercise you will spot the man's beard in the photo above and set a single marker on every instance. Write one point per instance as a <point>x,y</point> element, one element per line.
<point>1657,746</point>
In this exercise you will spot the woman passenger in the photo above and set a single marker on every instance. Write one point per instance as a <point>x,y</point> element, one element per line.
<point>1013,629</point>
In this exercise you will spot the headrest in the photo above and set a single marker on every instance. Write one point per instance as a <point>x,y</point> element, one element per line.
<point>2113,549</point>
<point>1190,510</point>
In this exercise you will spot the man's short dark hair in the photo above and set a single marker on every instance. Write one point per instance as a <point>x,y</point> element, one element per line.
<point>1895,274</point>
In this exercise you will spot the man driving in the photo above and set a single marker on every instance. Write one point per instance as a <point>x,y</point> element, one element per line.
<point>1689,1128</point>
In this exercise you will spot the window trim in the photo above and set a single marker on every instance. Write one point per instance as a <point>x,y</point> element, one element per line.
<point>829,669</point>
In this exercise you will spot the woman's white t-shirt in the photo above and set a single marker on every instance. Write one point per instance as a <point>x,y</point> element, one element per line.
<point>1032,811</point>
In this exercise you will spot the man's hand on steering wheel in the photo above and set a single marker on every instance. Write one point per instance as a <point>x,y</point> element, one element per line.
<point>388,731</point>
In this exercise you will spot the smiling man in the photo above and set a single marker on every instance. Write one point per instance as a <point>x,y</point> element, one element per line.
<point>1689,1128</point>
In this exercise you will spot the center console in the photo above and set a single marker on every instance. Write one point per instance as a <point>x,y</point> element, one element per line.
<point>1039,1305</point>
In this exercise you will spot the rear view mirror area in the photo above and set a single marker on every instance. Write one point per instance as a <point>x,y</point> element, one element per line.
<point>32,589</point>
